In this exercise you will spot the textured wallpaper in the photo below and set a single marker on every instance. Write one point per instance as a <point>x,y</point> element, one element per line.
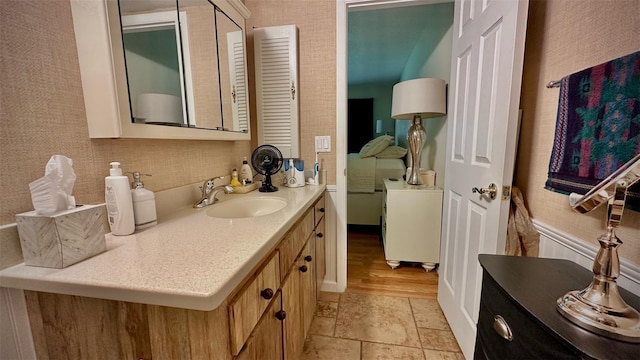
<point>564,37</point>
<point>316,22</point>
<point>42,113</point>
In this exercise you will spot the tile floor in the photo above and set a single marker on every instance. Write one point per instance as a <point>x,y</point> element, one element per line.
<point>364,327</point>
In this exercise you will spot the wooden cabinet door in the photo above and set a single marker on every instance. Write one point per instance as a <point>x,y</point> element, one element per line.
<point>321,258</point>
<point>307,269</point>
<point>319,210</point>
<point>246,309</point>
<point>293,333</point>
<point>266,340</point>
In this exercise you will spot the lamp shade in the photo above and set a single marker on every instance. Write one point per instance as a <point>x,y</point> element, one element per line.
<point>425,97</point>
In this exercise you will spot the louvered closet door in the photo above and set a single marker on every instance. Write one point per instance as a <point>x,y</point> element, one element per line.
<point>238,80</point>
<point>277,87</point>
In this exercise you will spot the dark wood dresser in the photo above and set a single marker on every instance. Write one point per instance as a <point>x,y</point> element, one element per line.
<point>523,291</point>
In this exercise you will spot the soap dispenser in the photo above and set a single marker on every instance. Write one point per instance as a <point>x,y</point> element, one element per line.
<point>144,203</point>
<point>118,199</point>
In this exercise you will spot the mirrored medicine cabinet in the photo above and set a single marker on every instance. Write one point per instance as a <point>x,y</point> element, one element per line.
<point>163,69</point>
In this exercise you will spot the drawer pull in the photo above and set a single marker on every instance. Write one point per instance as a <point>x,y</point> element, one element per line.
<point>308,258</point>
<point>502,328</point>
<point>320,235</point>
<point>321,210</point>
<point>267,293</point>
<point>304,268</point>
<point>281,315</point>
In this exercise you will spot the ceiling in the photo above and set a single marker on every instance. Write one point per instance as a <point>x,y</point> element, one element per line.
<point>380,41</point>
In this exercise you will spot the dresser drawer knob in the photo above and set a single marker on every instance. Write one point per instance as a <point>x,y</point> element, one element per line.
<point>281,315</point>
<point>321,210</point>
<point>502,328</point>
<point>266,293</point>
<point>304,268</point>
<point>308,258</point>
<point>320,235</point>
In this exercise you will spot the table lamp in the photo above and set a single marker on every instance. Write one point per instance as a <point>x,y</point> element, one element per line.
<point>415,100</point>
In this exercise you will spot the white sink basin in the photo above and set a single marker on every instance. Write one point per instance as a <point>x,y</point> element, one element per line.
<point>246,207</point>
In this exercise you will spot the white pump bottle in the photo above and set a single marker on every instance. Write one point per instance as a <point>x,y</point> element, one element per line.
<point>144,203</point>
<point>118,198</point>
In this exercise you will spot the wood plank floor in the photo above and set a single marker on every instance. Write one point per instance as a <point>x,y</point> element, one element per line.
<point>368,272</point>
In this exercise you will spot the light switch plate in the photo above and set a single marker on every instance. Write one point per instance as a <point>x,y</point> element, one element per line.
<point>323,143</point>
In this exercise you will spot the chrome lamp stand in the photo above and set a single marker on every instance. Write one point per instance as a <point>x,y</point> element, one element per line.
<point>416,137</point>
<point>599,307</point>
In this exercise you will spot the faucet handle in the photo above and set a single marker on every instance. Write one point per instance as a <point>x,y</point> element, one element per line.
<point>213,179</point>
<point>207,186</point>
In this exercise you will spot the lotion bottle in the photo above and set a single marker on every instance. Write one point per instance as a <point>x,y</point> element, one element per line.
<point>246,177</point>
<point>119,204</point>
<point>144,203</point>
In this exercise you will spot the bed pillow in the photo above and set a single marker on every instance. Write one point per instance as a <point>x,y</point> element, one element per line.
<point>375,146</point>
<point>392,152</point>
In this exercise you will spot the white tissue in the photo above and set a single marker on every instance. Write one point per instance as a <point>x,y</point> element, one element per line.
<point>52,192</point>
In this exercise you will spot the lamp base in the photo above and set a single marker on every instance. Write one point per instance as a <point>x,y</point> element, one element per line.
<point>620,323</point>
<point>599,307</point>
<point>416,137</point>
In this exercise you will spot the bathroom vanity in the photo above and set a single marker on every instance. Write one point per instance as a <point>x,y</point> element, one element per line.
<point>192,287</point>
<point>518,318</point>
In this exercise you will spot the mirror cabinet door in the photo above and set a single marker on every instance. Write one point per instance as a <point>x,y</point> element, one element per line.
<point>204,78</point>
<point>173,57</point>
<point>232,69</point>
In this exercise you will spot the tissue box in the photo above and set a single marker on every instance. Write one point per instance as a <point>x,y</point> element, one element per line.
<point>62,239</point>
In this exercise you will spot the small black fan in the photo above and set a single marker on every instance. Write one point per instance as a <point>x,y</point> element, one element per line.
<point>267,160</point>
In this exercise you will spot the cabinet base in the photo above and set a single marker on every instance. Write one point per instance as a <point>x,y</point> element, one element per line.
<point>393,264</point>
<point>427,266</point>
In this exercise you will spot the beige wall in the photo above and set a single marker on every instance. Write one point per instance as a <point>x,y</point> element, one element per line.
<point>562,38</point>
<point>316,22</point>
<point>42,113</point>
<point>42,109</point>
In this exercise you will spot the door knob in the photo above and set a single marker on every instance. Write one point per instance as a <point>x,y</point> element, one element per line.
<point>492,191</point>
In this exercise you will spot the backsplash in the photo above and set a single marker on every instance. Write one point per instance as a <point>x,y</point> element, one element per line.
<point>42,111</point>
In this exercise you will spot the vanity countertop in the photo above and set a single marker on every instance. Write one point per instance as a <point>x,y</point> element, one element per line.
<point>189,260</point>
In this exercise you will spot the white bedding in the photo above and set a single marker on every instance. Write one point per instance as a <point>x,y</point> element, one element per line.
<point>360,174</point>
<point>364,187</point>
<point>388,168</point>
<point>366,175</point>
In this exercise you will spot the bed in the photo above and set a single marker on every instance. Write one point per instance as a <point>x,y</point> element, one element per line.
<point>364,186</point>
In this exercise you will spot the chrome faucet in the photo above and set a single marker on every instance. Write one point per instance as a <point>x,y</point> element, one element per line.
<point>209,192</point>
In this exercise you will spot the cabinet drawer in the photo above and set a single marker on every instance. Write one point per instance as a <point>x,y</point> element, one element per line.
<point>529,339</point>
<point>250,303</point>
<point>293,243</point>
<point>266,341</point>
<point>319,210</point>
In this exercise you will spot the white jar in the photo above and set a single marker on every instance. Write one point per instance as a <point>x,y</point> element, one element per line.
<point>144,204</point>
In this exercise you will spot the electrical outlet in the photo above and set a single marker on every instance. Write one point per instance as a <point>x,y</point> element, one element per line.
<point>323,143</point>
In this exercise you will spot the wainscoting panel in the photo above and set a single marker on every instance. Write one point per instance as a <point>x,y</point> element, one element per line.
<point>331,279</point>
<point>15,332</point>
<point>557,244</point>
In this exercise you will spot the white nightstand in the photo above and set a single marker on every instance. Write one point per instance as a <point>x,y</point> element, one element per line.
<point>411,217</point>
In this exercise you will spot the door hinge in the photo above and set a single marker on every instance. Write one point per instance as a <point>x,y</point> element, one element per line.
<point>506,192</point>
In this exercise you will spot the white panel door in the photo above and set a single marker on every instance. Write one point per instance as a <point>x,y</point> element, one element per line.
<point>484,93</point>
